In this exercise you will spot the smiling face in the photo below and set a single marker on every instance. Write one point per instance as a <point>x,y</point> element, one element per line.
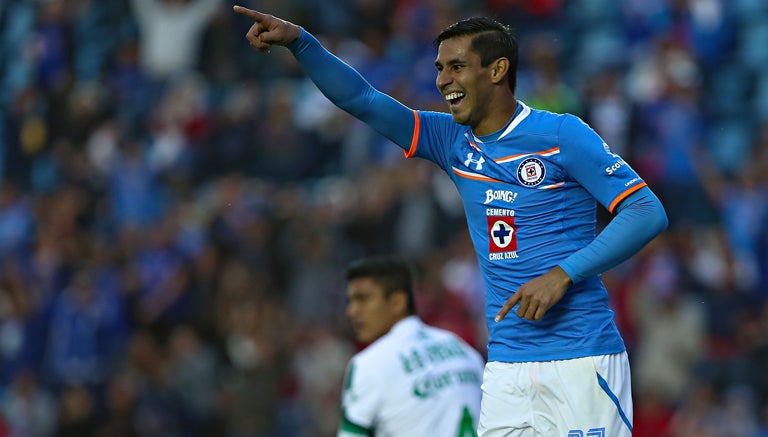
<point>372,311</point>
<point>465,84</point>
<point>477,73</point>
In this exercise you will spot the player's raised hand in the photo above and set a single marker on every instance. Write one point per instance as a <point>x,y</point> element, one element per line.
<point>267,30</point>
<point>537,295</point>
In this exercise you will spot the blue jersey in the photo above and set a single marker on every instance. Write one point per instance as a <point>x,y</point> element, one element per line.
<point>529,195</point>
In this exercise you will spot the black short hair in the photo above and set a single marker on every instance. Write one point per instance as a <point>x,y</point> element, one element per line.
<point>492,40</point>
<point>389,272</point>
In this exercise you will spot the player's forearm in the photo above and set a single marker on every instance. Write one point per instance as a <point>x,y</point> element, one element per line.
<point>348,90</point>
<point>637,222</point>
<point>343,85</point>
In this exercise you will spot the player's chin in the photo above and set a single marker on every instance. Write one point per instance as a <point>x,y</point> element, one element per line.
<point>359,332</point>
<point>459,118</point>
<point>363,337</point>
<point>367,335</point>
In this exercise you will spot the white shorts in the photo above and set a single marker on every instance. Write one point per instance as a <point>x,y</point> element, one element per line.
<point>582,397</point>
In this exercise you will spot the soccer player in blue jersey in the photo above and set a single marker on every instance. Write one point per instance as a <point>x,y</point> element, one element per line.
<point>530,181</point>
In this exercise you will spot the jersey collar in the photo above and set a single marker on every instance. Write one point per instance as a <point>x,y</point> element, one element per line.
<point>409,323</point>
<point>522,112</point>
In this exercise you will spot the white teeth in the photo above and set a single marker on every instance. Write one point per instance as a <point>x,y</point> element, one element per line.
<point>454,95</point>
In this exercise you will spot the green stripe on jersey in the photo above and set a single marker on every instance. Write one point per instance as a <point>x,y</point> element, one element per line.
<point>353,428</point>
<point>348,376</point>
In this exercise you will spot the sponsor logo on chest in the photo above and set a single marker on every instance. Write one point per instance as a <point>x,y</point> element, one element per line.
<point>500,195</point>
<point>502,234</point>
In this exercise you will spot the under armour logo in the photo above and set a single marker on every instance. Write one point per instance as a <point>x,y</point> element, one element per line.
<point>478,162</point>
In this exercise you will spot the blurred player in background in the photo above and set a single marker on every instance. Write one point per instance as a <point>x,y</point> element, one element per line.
<point>411,379</point>
<point>530,181</point>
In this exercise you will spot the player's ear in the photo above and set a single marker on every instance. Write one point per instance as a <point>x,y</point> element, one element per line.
<point>499,69</point>
<point>398,301</point>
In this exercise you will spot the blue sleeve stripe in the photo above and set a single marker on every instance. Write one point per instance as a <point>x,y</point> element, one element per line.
<point>604,385</point>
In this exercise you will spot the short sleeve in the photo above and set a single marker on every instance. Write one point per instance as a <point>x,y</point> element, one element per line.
<point>360,400</point>
<point>589,161</point>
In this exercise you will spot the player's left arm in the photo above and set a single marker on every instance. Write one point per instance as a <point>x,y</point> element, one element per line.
<point>639,218</point>
<point>639,215</point>
<point>360,397</point>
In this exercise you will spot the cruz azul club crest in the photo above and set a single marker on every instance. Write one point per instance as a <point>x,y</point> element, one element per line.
<point>531,172</point>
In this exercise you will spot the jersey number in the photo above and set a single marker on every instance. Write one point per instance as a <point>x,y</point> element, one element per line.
<point>467,425</point>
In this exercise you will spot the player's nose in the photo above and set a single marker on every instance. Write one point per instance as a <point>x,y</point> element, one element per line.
<point>443,78</point>
<point>351,310</point>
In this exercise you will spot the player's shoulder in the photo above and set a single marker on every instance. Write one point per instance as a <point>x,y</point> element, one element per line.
<point>370,364</point>
<point>439,120</point>
<point>386,347</point>
<point>440,334</point>
<point>405,337</point>
<point>372,353</point>
<point>434,115</point>
<point>449,338</point>
<point>564,128</point>
<point>543,119</point>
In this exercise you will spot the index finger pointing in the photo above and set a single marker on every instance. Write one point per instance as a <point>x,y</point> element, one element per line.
<point>511,302</point>
<point>250,13</point>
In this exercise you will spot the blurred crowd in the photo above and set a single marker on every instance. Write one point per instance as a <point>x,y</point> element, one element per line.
<point>177,209</point>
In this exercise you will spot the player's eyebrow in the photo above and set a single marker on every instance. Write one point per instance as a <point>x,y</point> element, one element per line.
<point>450,62</point>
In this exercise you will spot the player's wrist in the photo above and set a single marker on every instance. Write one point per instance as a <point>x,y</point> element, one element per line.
<point>299,40</point>
<point>294,32</point>
<point>565,278</point>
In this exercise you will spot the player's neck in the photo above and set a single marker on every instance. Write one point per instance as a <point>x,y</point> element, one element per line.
<point>502,113</point>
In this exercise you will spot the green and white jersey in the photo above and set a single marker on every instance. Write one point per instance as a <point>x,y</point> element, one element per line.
<point>415,381</point>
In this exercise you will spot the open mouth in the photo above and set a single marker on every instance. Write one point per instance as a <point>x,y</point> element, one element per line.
<point>454,98</point>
